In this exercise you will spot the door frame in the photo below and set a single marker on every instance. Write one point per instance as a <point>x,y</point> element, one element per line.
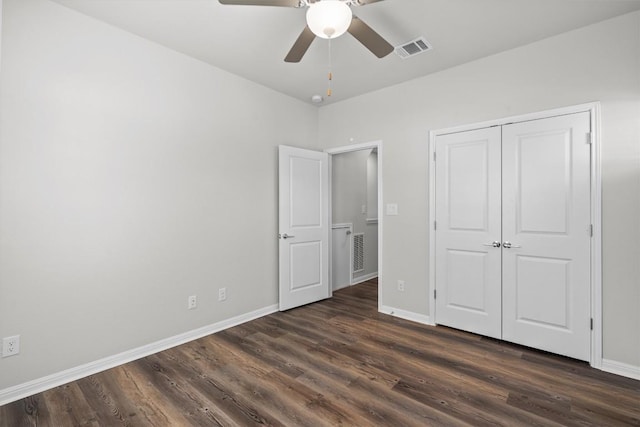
<point>348,149</point>
<point>593,108</point>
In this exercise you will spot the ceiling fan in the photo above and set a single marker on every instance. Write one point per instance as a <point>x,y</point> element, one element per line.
<point>327,19</point>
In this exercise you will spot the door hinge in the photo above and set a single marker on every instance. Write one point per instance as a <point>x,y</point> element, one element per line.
<point>434,156</point>
<point>591,230</point>
<point>591,323</point>
<point>435,225</point>
<point>434,294</point>
<point>589,139</point>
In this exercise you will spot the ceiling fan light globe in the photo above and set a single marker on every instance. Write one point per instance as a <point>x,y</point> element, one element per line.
<point>329,19</point>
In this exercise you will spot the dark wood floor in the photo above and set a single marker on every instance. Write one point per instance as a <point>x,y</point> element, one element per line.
<point>339,362</point>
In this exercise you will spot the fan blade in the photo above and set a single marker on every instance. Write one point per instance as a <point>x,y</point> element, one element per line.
<point>284,3</point>
<point>300,46</point>
<point>369,38</point>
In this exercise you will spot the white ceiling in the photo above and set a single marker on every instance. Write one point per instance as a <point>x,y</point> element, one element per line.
<point>252,41</point>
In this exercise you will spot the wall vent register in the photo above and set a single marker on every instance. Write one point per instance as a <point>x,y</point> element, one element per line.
<point>358,252</point>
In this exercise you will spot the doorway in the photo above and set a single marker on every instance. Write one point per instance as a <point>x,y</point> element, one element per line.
<point>356,214</point>
<point>304,219</point>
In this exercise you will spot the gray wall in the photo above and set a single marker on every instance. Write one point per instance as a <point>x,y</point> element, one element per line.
<point>348,194</point>
<point>600,62</point>
<point>131,177</point>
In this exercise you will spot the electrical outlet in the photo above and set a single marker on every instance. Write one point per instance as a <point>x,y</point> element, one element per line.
<point>401,285</point>
<point>10,346</point>
<point>222,294</point>
<point>192,302</point>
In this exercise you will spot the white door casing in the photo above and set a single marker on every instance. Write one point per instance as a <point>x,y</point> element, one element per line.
<point>303,227</point>
<point>468,223</point>
<point>546,219</point>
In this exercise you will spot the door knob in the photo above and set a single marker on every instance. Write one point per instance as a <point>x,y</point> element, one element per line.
<point>285,236</point>
<point>494,244</point>
<point>508,245</point>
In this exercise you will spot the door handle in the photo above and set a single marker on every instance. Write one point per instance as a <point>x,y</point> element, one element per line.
<point>285,236</point>
<point>494,244</point>
<point>508,245</point>
<point>348,232</point>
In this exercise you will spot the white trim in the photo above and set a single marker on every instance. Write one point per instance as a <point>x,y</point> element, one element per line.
<point>331,234</point>
<point>407,315</point>
<point>361,279</point>
<point>341,225</point>
<point>430,226</point>
<point>581,108</point>
<point>39,385</point>
<point>596,247</point>
<point>1,7</point>
<point>593,108</point>
<point>619,368</point>
<point>354,147</point>
<point>349,226</point>
<point>357,147</point>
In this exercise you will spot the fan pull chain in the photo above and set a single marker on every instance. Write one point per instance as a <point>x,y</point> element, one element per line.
<point>330,74</point>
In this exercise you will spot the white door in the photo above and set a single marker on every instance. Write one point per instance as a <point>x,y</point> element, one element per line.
<point>468,223</point>
<point>546,222</point>
<point>526,187</point>
<point>303,226</point>
<point>341,255</point>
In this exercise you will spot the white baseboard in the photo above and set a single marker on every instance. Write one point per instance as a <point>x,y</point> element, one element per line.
<point>364,278</point>
<point>620,368</point>
<point>39,385</point>
<point>406,315</point>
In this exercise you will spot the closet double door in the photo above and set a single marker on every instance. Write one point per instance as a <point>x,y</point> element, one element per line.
<point>513,233</point>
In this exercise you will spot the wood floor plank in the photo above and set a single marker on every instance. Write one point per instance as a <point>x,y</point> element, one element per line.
<point>227,391</point>
<point>68,406</point>
<point>103,401</point>
<point>22,413</point>
<point>339,362</point>
<point>147,410</point>
<point>179,402</point>
<point>220,398</point>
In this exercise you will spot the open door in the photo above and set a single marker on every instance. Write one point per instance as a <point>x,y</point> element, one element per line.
<point>303,226</point>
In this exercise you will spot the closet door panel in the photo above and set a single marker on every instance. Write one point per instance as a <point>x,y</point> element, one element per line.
<point>546,240</point>
<point>468,222</point>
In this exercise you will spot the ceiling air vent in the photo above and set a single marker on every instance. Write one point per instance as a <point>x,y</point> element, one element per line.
<point>413,48</point>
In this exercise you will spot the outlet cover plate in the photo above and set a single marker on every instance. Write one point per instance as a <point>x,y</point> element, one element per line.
<point>192,302</point>
<point>10,346</point>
